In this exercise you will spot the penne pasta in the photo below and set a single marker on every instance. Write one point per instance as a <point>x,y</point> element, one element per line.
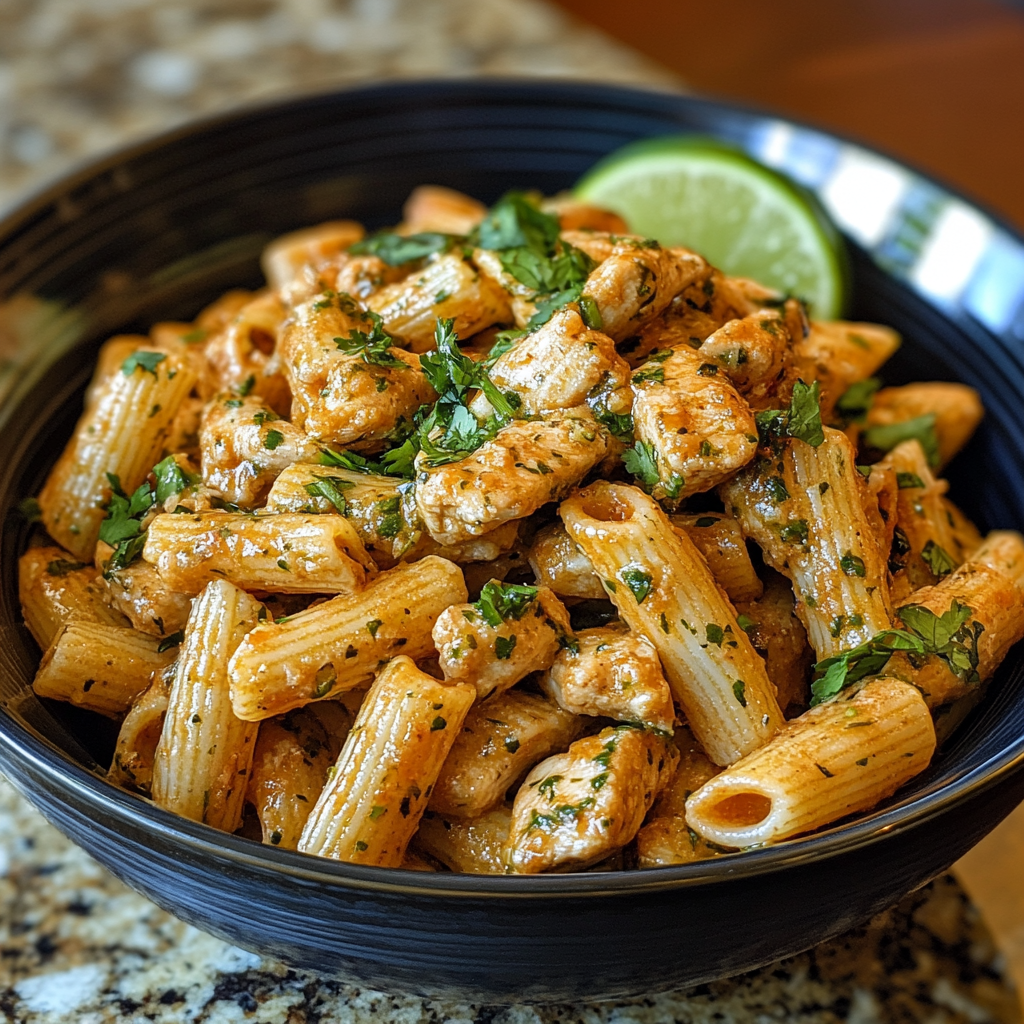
<point>833,760</point>
<point>135,752</point>
<point>663,589</point>
<point>120,435</point>
<point>374,798</point>
<point>286,553</point>
<point>435,208</point>
<point>474,846</point>
<point>205,752</point>
<point>99,667</point>
<point>809,520</point>
<point>720,540</point>
<point>53,588</point>
<point>339,645</point>
<point>287,255</point>
<point>501,739</point>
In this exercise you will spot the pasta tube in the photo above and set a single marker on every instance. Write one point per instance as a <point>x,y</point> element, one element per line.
<point>288,554</point>
<point>720,540</point>
<point>338,645</point>
<point>121,434</point>
<point>205,752</point>
<point>808,518</point>
<point>284,258</point>
<point>289,769</point>
<point>373,800</point>
<point>576,808</point>
<point>509,633</point>
<point>53,588</point>
<point>834,760</point>
<point>664,590</point>
<point>436,208</point>
<point>135,752</point>
<point>447,286</point>
<point>609,672</point>
<point>473,846</point>
<point>956,409</point>
<point>500,740</point>
<point>99,667</point>
<point>666,838</point>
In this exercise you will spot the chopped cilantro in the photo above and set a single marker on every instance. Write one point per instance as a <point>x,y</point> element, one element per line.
<point>374,346</point>
<point>856,401</point>
<point>639,582</point>
<point>122,527</point>
<point>29,510</point>
<point>739,689</point>
<point>147,361</point>
<point>500,602</point>
<point>437,724</point>
<point>852,565</point>
<point>273,439</point>
<point>937,559</point>
<point>906,480</point>
<point>171,479</point>
<point>503,647</point>
<point>715,634</point>
<point>61,567</point>
<point>246,386</point>
<point>745,622</point>
<point>169,641</point>
<point>329,488</point>
<point>921,428</point>
<point>395,250</point>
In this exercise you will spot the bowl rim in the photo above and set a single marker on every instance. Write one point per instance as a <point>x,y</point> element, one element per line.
<point>49,760</point>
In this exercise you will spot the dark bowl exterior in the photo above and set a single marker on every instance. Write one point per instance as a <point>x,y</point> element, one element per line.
<point>161,229</point>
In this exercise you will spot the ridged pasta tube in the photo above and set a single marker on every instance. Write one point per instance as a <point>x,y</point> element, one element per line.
<point>834,760</point>
<point>663,589</point>
<point>121,433</point>
<point>286,553</point>
<point>720,540</point>
<point>53,588</point>
<point>99,667</point>
<point>338,645</point>
<point>809,520</point>
<point>373,800</point>
<point>205,752</point>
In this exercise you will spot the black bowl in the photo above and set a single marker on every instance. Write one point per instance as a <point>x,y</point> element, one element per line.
<point>161,229</point>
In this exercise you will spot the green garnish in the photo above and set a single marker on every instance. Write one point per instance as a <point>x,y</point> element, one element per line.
<point>937,559</point>
<point>921,428</point>
<point>374,346</point>
<point>122,528</point>
<point>147,361</point>
<point>500,602</point>
<point>395,250</point>
<point>329,488</point>
<point>503,647</point>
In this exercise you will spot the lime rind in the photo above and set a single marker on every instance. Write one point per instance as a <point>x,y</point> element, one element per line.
<point>743,217</point>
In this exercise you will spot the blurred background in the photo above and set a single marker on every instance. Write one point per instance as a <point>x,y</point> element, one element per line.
<point>939,83</point>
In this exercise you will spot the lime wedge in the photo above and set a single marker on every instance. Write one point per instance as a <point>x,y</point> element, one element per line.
<point>744,218</point>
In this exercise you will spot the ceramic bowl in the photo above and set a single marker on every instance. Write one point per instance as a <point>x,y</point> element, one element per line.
<point>158,230</point>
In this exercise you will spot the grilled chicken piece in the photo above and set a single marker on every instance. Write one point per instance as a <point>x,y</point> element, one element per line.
<point>637,281</point>
<point>500,741</point>
<point>577,808</point>
<point>244,446</point>
<point>527,464</point>
<point>343,394</point>
<point>286,257</point>
<point>614,673</point>
<point>436,208</point>
<point>495,651</point>
<point>560,366</point>
<point>582,217</point>
<point>473,846</point>
<point>698,427</point>
<point>558,563</point>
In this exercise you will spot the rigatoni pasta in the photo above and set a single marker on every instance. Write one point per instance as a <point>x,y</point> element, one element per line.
<point>376,554</point>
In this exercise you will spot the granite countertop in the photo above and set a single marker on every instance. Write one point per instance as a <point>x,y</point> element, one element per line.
<point>79,77</point>
<point>77,945</point>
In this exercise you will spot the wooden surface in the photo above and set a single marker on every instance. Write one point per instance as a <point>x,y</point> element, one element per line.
<point>939,83</point>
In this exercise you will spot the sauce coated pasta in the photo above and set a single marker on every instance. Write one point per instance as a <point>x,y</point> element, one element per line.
<point>508,541</point>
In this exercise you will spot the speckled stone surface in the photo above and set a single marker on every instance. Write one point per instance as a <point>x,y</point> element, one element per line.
<point>80,77</point>
<point>77,946</point>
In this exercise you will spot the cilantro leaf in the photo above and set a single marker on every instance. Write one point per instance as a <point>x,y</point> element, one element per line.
<point>147,361</point>
<point>514,221</point>
<point>642,462</point>
<point>373,346</point>
<point>856,401</point>
<point>937,559</point>
<point>504,341</point>
<point>499,602</point>
<point>122,527</point>
<point>638,581</point>
<point>329,488</point>
<point>395,250</point>
<point>503,647</point>
<point>905,480</point>
<point>805,414</point>
<point>171,479</point>
<point>886,436</point>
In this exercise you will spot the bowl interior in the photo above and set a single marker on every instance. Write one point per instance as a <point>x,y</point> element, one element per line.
<point>156,233</point>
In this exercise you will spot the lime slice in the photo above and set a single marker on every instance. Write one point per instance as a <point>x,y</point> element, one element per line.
<point>744,218</point>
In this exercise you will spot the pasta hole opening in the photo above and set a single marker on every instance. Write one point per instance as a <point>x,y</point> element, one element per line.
<point>740,810</point>
<point>263,341</point>
<point>607,508</point>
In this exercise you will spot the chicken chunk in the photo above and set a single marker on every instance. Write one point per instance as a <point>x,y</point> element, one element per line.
<point>613,673</point>
<point>244,446</point>
<point>558,563</point>
<point>285,257</point>
<point>436,208</point>
<point>503,637</point>
<point>349,384</point>
<point>152,605</point>
<point>577,808</point>
<point>582,217</point>
<point>471,845</point>
<point>500,741</point>
<point>637,282</point>
<point>560,366</point>
<point>527,464</point>
<point>699,429</point>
